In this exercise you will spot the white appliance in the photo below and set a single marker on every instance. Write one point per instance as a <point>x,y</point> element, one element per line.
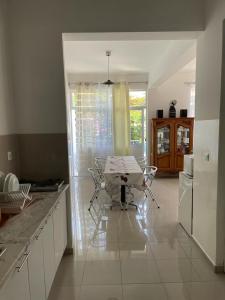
<point>185,210</point>
<point>189,164</point>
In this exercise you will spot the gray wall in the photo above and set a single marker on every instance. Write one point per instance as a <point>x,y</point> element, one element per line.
<point>8,139</point>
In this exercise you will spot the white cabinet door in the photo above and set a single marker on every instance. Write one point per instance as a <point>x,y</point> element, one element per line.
<point>36,270</point>
<point>64,221</point>
<point>49,255</point>
<point>60,229</point>
<point>58,239</point>
<point>17,286</point>
<point>185,202</point>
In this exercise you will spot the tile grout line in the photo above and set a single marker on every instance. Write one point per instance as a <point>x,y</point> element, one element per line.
<point>121,275</point>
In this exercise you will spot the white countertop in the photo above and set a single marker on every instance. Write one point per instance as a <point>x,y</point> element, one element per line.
<point>20,230</point>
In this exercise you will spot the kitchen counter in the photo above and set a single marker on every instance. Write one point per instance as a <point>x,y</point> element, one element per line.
<point>19,231</point>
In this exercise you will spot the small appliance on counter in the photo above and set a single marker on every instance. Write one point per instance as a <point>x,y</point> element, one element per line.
<point>185,210</point>
<point>49,185</point>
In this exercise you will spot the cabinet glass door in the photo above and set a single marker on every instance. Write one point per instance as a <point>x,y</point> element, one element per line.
<point>163,140</point>
<point>183,140</point>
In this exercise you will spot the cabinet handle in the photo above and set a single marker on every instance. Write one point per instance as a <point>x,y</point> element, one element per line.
<point>37,236</point>
<point>2,251</point>
<point>25,257</point>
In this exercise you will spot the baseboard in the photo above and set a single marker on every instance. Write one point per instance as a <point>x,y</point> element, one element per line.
<point>216,268</point>
<point>68,251</point>
<point>161,174</point>
<point>219,269</point>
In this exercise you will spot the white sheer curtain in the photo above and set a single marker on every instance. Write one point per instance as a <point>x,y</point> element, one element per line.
<point>91,124</point>
<point>121,119</point>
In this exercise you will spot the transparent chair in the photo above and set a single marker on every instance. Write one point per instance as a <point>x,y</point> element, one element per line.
<point>98,183</point>
<point>142,161</point>
<point>100,166</point>
<point>100,163</point>
<point>149,175</point>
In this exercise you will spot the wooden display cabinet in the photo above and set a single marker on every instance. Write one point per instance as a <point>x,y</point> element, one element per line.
<point>171,138</point>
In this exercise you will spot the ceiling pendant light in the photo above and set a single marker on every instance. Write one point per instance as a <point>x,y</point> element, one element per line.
<point>108,81</point>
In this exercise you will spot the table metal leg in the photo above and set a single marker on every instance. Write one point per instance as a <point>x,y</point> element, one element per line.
<point>123,195</point>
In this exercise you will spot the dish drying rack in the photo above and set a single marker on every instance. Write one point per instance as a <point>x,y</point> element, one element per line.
<point>15,202</point>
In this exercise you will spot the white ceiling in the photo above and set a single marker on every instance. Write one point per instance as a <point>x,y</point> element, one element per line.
<point>128,57</point>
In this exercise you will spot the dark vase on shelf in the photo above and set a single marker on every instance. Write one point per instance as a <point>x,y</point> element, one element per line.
<point>172,111</point>
<point>159,113</point>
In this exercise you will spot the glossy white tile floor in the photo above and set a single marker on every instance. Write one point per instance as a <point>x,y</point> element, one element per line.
<point>133,255</point>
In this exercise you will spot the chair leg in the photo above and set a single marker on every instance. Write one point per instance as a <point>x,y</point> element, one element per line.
<point>95,196</point>
<point>131,204</point>
<point>116,203</point>
<point>157,204</point>
<point>153,197</point>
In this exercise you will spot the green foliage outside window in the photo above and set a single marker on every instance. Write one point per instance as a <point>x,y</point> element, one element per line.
<point>136,126</point>
<point>136,99</point>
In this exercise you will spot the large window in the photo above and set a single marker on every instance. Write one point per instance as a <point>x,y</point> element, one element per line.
<point>137,105</point>
<point>91,124</point>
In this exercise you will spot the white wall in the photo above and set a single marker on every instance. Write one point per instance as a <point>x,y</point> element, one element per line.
<point>205,186</point>
<point>209,227</point>
<point>36,33</point>
<point>173,88</point>
<point>7,116</point>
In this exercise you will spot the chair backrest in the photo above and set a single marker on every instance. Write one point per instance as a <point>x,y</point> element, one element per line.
<point>95,174</point>
<point>142,164</point>
<point>153,170</point>
<point>150,172</point>
<point>142,161</point>
<point>100,163</point>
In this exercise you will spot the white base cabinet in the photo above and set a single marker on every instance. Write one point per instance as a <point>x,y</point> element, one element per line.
<point>60,230</point>
<point>48,255</point>
<point>32,278</point>
<point>17,287</point>
<point>36,270</point>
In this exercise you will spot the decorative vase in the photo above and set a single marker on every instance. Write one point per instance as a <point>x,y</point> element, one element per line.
<point>172,111</point>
